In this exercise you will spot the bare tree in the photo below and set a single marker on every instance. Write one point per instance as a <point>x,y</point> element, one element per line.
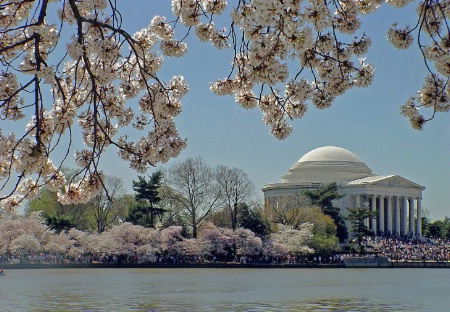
<point>174,214</point>
<point>195,188</point>
<point>236,188</point>
<point>107,211</point>
<point>287,212</point>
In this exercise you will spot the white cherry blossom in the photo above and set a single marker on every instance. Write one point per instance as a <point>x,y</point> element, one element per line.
<point>288,55</point>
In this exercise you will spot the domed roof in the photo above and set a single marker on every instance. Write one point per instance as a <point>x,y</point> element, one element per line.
<point>329,153</point>
<point>327,164</point>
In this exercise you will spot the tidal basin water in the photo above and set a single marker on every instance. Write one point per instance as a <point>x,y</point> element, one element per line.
<point>225,290</point>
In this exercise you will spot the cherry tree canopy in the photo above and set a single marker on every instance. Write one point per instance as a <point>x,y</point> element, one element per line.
<point>69,62</point>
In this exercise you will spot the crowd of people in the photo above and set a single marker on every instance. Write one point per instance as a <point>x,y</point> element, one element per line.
<point>47,258</point>
<point>400,249</point>
<point>410,249</point>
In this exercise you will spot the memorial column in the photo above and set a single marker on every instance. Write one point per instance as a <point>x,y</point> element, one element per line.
<point>373,221</point>
<point>411,216</point>
<point>397,215</point>
<point>381,215</point>
<point>358,201</point>
<point>419,217</point>
<point>389,215</point>
<point>404,216</point>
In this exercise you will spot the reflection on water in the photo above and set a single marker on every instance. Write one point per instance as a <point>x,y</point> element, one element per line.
<point>320,305</point>
<point>161,290</point>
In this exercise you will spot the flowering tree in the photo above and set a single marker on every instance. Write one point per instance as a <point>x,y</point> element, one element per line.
<point>172,241</point>
<point>9,231</point>
<point>294,240</point>
<point>25,245</point>
<point>24,235</point>
<point>191,248</point>
<point>247,243</point>
<point>93,76</point>
<point>35,225</point>
<point>81,239</point>
<point>150,245</point>
<point>275,249</point>
<point>59,244</point>
<point>123,239</point>
<point>215,241</point>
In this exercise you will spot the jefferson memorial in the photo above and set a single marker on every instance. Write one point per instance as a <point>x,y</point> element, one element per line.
<point>395,199</point>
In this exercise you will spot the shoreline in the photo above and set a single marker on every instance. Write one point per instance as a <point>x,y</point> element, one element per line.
<point>348,263</point>
<point>10,266</point>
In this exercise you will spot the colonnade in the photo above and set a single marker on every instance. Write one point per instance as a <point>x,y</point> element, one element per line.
<point>395,214</point>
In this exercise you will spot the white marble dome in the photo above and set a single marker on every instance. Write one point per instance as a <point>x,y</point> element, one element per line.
<point>325,165</point>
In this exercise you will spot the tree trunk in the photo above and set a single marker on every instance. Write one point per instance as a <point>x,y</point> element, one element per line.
<point>234,217</point>
<point>194,227</point>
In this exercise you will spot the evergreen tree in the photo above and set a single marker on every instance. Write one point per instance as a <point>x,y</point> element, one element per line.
<point>357,217</point>
<point>323,198</point>
<point>147,198</point>
<point>439,228</point>
<point>425,226</point>
<point>252,220</point>
<point>59,223</point>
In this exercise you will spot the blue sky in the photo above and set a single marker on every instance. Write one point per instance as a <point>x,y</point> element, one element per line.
<point>364,121</point>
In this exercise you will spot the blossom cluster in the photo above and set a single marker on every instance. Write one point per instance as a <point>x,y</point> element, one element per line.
<point>288,54</point>
<point>24,236</point>
<point>105,68</point>
<point>273,34</point>
<point>279,35</point>
<point>433,39</point>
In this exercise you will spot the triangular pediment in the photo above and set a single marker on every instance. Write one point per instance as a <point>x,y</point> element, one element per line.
<point>388,181</point>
